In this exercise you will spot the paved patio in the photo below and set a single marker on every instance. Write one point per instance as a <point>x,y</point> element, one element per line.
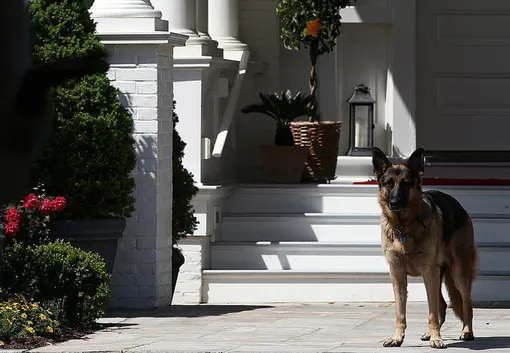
<point>284,328</point>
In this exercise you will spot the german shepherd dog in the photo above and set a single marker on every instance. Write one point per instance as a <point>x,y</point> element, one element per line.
<point>427,234</point>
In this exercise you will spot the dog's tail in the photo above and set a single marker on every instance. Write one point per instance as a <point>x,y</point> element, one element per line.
<point>454,294</point>
<point>468,276</point>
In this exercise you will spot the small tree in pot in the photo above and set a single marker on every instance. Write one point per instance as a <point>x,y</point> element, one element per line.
<point>283,162</point>
<point>91,156</point>
<point>314,24</point>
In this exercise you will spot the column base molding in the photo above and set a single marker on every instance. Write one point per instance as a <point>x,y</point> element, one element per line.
<point>135,25</point>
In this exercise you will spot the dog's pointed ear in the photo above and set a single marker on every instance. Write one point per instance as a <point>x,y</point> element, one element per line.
<point>380,162</point>
<point>416,162</point>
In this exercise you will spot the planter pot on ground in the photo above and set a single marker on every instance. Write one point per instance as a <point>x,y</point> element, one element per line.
<point>177,261</point>
<point>96,235</point>
<point>322,139</point>
<point>283,164</point>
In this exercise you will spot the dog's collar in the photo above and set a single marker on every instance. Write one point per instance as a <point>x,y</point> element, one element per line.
<point>400,229</point>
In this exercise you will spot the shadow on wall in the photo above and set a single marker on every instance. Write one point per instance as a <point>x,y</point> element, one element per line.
<point>146,144</point>
<point>400,75</point>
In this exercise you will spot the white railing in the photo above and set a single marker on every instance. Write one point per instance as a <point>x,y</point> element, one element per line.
<point>230,109</point>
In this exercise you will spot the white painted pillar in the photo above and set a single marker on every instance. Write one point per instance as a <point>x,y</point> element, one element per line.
<point>182,18</point>
<point>141,67</point>
<point>202,18</point>
<point>127,16</point>
<point>223,18</point>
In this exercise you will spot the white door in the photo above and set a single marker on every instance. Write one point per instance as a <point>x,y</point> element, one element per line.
<point>463,74</point>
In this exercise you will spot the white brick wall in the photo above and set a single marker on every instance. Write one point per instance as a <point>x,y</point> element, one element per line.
<point>189,283</point>
<point>143,270</point>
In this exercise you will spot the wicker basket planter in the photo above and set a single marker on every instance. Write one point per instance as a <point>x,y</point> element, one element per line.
<point>322,139</point>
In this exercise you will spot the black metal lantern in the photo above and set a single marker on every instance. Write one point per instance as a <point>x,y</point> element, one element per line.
<point>361,122</point>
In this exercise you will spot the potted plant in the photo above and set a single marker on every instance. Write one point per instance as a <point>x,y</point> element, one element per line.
<point>282,162</point>
<point>315,24</point>
<point>184,221</point>
<point>91,156</point>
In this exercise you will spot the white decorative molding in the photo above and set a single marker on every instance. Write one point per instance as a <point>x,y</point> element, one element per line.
<point>204,62</point>
<point>173,39</point>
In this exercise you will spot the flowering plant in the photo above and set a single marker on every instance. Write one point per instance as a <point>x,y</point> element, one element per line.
<point>29,219</point>
<point>21,318</point>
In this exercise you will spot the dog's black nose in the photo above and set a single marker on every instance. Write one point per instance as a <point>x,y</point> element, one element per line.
<point>394,203</point>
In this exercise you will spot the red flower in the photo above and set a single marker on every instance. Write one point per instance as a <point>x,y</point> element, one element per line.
<point>11,229</point>
<point>30,202</point>
<point>12,215</point>
<point>46,207</point>
<point>59,203</point>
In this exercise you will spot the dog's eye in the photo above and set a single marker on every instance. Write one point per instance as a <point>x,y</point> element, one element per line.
<point>390,183</point>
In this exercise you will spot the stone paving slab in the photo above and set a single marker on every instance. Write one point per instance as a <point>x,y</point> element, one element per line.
<point>334,327</point>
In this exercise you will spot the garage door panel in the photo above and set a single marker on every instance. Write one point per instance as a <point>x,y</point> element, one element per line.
<point>487,95</point>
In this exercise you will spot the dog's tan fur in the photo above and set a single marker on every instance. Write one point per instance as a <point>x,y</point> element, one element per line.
<point>425,251</point>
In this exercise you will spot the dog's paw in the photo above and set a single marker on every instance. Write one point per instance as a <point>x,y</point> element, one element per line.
<point>425,336</point>
<point>437,343</point>
<point>467,336</point>
<point>392,342</point>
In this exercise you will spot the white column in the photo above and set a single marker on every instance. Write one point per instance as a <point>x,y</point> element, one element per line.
<point>223,18</point>
<point>126,16</point>
<point>182,18</point>
<point>202,18</point>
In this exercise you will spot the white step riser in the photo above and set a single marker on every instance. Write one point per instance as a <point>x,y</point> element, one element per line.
<point>325,258</point>
<point>232,290</point>
<point>336,229</point>
<point>349,201</point>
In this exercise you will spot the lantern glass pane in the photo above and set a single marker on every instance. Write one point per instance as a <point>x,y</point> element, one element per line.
<point>362,118</point>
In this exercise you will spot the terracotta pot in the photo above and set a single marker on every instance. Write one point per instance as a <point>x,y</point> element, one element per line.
<point>283,164</point>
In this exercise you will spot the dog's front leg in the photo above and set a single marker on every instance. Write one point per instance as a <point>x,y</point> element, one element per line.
<point>399,283</point>
<point>432,281</point>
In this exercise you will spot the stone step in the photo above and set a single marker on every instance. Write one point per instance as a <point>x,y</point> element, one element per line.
<point>316,256</point>
<point>342,228</point>
<point>291,286</point>
<point>351,199</point>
